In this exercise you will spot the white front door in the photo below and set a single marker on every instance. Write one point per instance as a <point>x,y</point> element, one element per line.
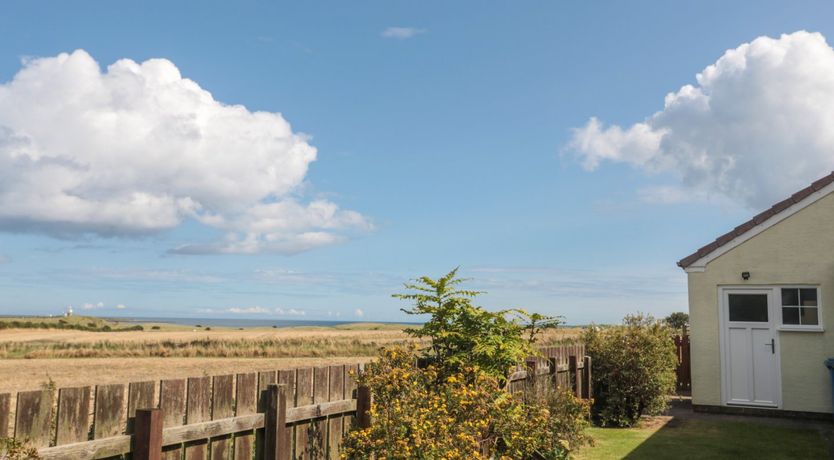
<point>750,348</point>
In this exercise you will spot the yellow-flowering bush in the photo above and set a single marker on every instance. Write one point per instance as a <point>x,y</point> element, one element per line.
<point>421,413</point>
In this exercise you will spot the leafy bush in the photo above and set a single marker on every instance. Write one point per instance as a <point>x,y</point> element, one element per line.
<point>450,400</point>
<point>463,334</point>
<point>567,416</point>
<point>420,413</point>
<point>634,369</point>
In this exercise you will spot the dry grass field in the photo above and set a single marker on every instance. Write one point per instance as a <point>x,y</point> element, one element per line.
<point>31,374</point>
<point>33,356</point>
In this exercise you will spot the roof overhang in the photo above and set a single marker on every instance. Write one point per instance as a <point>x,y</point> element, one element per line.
<point>698,261</point>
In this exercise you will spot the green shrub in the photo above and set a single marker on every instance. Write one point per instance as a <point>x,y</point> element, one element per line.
<point>451,400</point>
<point>633,369</point>
<point>463,334</point>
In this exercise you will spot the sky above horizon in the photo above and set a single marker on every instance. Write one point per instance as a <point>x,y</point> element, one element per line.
<point>303,160</point>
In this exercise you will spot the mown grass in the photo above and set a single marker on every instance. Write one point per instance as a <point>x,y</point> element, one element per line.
<point>705,439</point>
<point>199,348</point>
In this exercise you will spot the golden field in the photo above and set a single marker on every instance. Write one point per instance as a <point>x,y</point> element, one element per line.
<point>33,356</point>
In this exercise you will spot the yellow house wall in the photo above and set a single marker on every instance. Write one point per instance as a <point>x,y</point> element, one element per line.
<point>797,250</point>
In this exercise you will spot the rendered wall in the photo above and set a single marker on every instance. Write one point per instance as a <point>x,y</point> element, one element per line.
<point>797,250</point>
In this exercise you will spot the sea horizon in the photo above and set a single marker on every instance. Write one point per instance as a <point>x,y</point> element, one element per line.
<point>224,322</point>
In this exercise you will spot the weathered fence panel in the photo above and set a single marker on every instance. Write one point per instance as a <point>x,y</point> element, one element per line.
<point>222,406</point>
<point>303,397</point>
<point>140,395</point>
<point>109,411</point>
<point>334,429</point>
<point>73,416</point>
<point>246,403</point>
<point>264,380</point>
<point>5,412</point>
<point>297,413</point>
<point>197,410</point>
<point>33,416</point>
<point>287,378</point>
<point>351,372</point>
<point>172,404</point>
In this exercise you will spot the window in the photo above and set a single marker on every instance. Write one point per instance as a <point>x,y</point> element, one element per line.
<point>748,307</point>
<point>800,307</point>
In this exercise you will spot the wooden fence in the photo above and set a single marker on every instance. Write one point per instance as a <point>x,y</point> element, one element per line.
<point>684,369</point>
<point>284,414</point>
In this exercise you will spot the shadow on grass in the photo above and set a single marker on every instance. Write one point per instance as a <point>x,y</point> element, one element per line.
<point>714,438</point>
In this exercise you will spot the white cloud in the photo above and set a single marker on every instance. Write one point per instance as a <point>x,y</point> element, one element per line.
<point>248,310</point>
<point>401,33</point>
<point>755,128</point>
<point>359,312</point>
<point>121,306</point>
<point>139,149</point>
<point>92,306</point>
<point>290,312</point>
<point>257,310</point>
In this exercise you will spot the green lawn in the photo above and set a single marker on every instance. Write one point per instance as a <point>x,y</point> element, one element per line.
<point>705,439</point>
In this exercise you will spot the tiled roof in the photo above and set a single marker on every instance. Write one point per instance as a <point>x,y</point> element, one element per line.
<point>758,219</point>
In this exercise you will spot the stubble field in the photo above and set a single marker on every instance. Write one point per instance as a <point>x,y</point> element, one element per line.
<point>32,357</point>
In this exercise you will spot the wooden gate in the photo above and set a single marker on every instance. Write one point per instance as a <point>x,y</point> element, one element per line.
<point>684,369</point>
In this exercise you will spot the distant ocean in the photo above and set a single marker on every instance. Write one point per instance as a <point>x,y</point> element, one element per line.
<point>239,322</point>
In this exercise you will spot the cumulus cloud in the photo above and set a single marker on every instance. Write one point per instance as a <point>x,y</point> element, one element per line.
<point>137,149</point>
<point>401,33</point>
<point>121,306</point>
<point>755,127</point>
<point>359,312</point>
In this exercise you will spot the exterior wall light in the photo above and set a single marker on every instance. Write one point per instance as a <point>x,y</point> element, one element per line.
<point>745,276</point>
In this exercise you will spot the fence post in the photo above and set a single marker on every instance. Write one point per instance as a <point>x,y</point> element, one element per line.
<point>275,423</point>
<point>147,438</point>
<point>587,393</point>
<point>363,406</point>
<point>575,378</point>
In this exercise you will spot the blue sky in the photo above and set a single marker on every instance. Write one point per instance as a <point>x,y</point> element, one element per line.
<point>451,141</point>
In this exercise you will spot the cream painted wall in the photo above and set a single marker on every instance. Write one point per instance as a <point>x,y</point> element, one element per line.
<point>797,250</point>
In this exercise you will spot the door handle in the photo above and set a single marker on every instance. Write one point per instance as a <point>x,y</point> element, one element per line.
<point>772,346</point>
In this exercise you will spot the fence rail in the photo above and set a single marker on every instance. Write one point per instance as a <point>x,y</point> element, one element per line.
<point>297,413</point>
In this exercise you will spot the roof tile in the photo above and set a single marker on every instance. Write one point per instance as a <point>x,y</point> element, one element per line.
<point>756,220</point>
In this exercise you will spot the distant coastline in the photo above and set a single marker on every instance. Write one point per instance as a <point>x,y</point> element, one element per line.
<point>245,322</point>
<point>225,322</point>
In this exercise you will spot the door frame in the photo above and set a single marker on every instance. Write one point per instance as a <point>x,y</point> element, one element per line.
<point>772,311</point>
